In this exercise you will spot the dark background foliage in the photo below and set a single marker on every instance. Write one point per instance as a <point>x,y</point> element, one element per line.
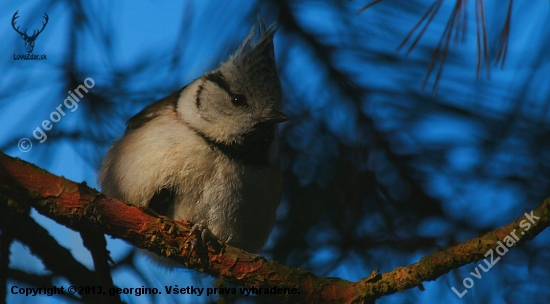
<point>377,172</point>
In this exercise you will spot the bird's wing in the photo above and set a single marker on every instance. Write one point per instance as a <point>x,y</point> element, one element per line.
<point>166,104</point>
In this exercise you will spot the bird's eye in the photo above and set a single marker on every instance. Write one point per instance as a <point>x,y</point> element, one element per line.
<point>239,100</point>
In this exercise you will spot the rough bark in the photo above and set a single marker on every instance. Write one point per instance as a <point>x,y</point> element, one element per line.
<point>81,208</point>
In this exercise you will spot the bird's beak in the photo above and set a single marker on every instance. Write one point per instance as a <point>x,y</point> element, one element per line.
<point>274,117</point>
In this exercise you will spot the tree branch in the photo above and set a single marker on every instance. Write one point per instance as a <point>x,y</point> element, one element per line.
<point>82,208</point>
<point>16,223</point>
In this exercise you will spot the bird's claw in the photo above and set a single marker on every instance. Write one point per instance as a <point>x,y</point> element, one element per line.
<point>202,235</point>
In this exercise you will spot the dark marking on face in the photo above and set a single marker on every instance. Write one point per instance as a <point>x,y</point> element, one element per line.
<point>198,100</point>
<point>217,78</point>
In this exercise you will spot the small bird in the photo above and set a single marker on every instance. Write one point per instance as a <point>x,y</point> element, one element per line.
<point>208,152</point>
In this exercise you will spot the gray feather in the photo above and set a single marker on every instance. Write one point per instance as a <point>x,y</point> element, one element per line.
<point>209,151</point>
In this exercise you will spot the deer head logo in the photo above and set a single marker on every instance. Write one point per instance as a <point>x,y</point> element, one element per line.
<point>29,40</point>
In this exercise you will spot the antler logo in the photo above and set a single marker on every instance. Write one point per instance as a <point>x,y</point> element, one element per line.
<point>29,41</point>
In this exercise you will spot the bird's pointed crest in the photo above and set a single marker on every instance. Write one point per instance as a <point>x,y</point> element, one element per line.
<point>264,43</point>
